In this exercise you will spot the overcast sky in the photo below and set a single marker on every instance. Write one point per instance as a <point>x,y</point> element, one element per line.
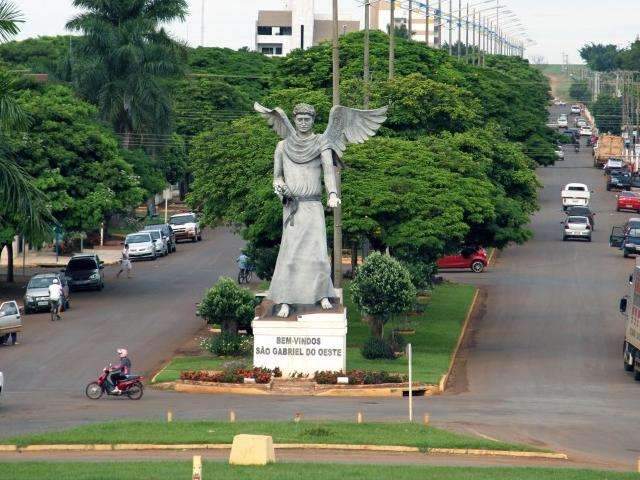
<point>556,25</point>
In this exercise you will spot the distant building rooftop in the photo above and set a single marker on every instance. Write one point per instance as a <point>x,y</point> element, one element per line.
<point>323,29</point>
<point>274,18</point>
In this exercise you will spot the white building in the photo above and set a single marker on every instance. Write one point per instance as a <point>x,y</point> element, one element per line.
<point>381,18</point>
<point>297,26</point>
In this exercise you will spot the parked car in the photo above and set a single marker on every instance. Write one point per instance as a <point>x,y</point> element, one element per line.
<point>159,241</point>
<point>186,226</point>
<point>619,232</point>
<point>582,212</point>
<point>473,258</point>
<point>141,245</point>
<point>167,232</point>
<point>559,152</point>
<point>586,131</point>
<point>580,122</point>
<point>628,201</point>
<point>619,180</point>
<point>631,243</point>
<point>576,110</point>
<point>635,183</point>
<point>36,296</point>
<point>575,195</point>
<point>10,324</point>
<point>576,227</point>
<point>85,272</point>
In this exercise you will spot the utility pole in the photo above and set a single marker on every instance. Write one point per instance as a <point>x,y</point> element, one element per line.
<point>450,27</point>
<point>497,21</point>
<point>426,26</point>
<point>474,54</point>
<point>392,40</point>
<point>466,32</point>
<point>438,26</point>
<point>410,19</point>
<point>202,25</point>
<point>337,212</point>
<point>366,75</point>
<point>459,29</point>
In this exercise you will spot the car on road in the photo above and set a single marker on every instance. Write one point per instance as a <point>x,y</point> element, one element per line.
<point>10,322</point>
<point>582,212</point>
<point>562,121</point>
<point>141,245</point>
<point>575,195</point>
<point>619,232</point>
<point>559,152</point>
<point>586,131</point>
<point>576,227</point>
<point>473,258</point>
<point>36,296</point>
<point>167,232</point>
<point>631,243</point>
<point>159,241</point>
<point>576,110</point>
<point>618,180</point>
<point>580,122</point>
<point>186,226</point>
<point>85,271</point>
<point>613,164</point>
<point>628,201</point>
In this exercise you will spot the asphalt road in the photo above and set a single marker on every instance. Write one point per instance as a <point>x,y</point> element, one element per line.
<point>543,364</point>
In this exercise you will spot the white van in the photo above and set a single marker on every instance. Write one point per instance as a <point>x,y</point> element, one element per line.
<point>575,195</point>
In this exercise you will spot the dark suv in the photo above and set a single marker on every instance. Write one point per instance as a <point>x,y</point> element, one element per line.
<point>85,271</point>
<point>167,232</point>
<point>619,180</point>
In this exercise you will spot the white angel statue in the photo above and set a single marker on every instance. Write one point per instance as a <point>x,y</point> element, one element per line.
<point>303,271</point>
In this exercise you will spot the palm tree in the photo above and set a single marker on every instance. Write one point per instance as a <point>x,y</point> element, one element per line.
<point>22,205</point>
<point>125,56</point>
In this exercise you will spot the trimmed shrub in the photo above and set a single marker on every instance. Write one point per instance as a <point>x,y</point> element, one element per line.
<point>228,345</point>
<point>375,348</point>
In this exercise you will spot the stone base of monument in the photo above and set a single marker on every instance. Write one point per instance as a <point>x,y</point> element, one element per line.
<point>308,341</point>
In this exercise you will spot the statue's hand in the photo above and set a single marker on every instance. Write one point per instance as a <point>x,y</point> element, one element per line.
<point>333,201</point>
<point>281,189</point>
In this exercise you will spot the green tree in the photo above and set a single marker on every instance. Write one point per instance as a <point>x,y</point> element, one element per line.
<point>124,57</point>
<point>607,112</point>
<point>10,17</point>
<point>579,91</point>
<point>599,57</point>
<point>382,287</point>
<point>49,55</point>
<point>629,58</point>
<point>228,305</point>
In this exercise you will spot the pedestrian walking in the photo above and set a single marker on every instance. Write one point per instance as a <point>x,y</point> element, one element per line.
<point>125,264</point>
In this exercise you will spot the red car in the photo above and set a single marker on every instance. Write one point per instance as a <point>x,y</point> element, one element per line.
<point>628,201</point>
<point>474,258</point>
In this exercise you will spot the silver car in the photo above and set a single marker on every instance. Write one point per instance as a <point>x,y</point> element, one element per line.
<point>159,241</point>
<point>141,245</point>
<point>36,297</point>
<point>577,227</point>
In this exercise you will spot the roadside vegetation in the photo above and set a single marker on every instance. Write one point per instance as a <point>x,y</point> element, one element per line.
<point>193,432</point>
<point>292,471</point>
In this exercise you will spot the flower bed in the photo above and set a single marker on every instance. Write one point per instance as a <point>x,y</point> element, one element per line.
<point>260,375</point>
<point>359,377</point>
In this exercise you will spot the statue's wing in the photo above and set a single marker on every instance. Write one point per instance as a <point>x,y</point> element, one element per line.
<point>277,119</point>
<point>349,125</point>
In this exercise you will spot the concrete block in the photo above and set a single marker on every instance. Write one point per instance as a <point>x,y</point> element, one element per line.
<point>252,450</point>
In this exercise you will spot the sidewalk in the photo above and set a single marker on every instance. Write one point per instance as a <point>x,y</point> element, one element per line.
<point>47,258</point>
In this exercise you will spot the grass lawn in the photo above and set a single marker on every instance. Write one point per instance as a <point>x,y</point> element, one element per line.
<point>172,371</point>
<point>405,434</point>
<point>437,332</point>
<point>292,471</point>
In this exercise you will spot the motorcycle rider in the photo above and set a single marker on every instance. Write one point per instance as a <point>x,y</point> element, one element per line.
<point>120,372</point>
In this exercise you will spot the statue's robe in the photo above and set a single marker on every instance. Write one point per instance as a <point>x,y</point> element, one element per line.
<point>303,269</point>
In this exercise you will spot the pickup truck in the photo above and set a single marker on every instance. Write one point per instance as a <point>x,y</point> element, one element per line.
<point>186,227</point>
<point>10,322</point>
<point>575,195</point>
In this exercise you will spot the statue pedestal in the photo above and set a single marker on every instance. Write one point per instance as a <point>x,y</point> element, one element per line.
<point>306,343</point>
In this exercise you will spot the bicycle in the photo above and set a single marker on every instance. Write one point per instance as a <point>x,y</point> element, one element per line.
<point>245,275</point>
<point>55,309</point>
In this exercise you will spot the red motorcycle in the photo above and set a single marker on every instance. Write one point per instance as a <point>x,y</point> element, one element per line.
<point>130,387</point>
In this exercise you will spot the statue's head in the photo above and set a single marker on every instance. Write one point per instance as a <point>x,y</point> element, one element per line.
<point>303,116</point>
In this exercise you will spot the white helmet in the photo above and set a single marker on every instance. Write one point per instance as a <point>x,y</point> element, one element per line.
<point>56,281</point>
<point>122,352</point>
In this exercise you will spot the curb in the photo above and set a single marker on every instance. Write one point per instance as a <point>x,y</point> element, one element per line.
<point>282,446</point>
<point>463,333</point>
<point>492,256</point>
